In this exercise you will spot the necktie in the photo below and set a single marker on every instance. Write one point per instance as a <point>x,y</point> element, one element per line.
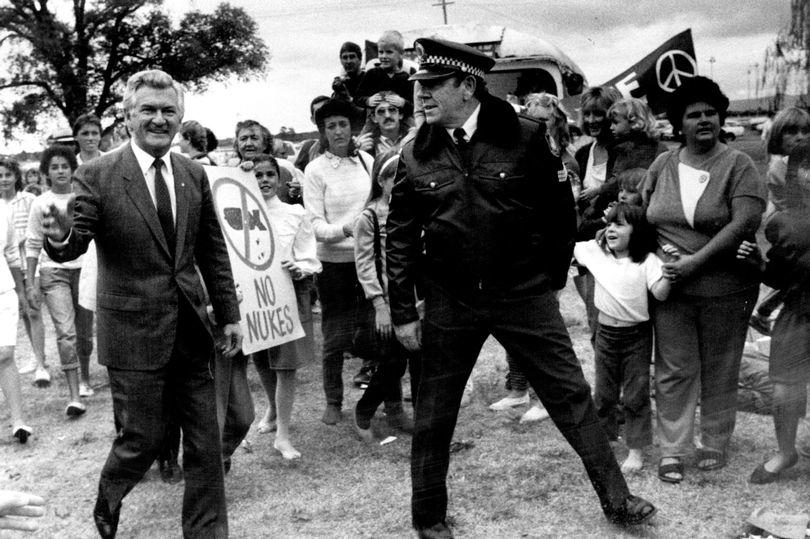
<point>462,145</point>
<point>164,205</point>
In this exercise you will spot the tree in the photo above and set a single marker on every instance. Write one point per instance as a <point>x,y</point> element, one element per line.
<point>82,65</point>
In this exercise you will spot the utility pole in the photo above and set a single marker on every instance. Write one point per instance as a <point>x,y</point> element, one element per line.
<point>444,4</point>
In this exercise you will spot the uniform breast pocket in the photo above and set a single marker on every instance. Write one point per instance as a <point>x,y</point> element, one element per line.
<point>503,180</point>
<point>436,187</point>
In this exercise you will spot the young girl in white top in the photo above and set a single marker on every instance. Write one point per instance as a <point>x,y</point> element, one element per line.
<point>276,366</point>
<point>625,268</point>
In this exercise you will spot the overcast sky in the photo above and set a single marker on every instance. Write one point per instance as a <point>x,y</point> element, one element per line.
<point>603,37</point>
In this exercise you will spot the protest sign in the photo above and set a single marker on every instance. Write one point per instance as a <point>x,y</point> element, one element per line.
<point>266,294</point>
<point>657,75</point>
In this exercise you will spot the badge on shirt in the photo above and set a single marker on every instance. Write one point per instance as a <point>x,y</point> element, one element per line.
<point>703,178</point>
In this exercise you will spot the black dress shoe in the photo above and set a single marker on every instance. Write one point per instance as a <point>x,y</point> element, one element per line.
<point>437,531</point>
<point>632,512</point>
<point>106,520</point>
<point>170,471</point>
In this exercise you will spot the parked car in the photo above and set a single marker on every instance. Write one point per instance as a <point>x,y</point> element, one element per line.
<point>733,129</point>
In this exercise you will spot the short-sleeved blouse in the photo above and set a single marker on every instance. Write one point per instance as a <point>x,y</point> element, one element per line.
<point>732,174</point>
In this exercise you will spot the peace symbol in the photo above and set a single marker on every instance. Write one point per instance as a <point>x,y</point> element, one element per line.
<point>244,223</point>
<point>673,66</point>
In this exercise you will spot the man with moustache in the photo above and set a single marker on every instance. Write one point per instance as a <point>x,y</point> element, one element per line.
<point>389,126</point>
<point>152,216</point>
<point>480,218</point>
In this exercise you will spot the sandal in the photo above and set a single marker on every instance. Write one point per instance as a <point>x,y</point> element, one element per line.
<point>709,459</point>
<point>666,471</point>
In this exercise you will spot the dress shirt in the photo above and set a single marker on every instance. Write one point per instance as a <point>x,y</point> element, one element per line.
<point>146,162</point>
<point>470,126</point>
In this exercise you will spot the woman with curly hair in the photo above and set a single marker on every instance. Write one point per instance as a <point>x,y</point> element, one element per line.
<point>703,198</point>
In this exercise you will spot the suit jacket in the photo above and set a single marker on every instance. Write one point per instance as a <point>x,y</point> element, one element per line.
<point>139,281</point>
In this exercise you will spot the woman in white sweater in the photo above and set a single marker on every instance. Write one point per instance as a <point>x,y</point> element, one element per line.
<point>336,187</point>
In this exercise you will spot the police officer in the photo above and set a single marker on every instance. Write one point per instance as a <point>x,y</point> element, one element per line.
<point>480,218</point>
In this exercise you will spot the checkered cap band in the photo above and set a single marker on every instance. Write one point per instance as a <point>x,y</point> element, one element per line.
<point>445,61</point>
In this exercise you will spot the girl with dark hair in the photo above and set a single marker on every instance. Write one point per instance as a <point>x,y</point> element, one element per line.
<point>625,269</point>
<point>391,358</point>
<point>277,366</point>
<point>703,198</point>
<point>10,303</point>
<point>336,188</point>
<point>59,282</point>
<point>20,202</point>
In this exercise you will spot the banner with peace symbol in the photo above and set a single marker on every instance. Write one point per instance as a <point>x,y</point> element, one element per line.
<point>264,289</point>
<point>658,74</point>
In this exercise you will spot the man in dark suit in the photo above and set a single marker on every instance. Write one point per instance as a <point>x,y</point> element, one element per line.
<point>152,216</point>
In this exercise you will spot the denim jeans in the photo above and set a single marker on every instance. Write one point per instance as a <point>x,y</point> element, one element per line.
<point>622,358</point>
<point>59,287</point>
<point>342,307</point>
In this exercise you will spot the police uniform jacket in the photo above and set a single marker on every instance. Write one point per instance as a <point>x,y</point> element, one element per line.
<point>493,218</point>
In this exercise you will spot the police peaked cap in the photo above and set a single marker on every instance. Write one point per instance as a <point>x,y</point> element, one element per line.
<point>440,59</point>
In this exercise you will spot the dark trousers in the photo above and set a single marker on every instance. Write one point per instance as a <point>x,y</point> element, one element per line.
<point>144,402</point>
<point>235,412</point>
<point>515,379</point>
<point>622,358</point>
<point>342,304</point>
<point>390,362</point>
<point>532,330</point>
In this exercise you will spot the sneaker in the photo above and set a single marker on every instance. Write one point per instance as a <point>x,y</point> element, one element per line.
<point>332,415</point>
<point>75,409</point>
<point>509,402</point>
<point>534,414</point>
<point>22,432</point>
<point>85,390</point>
<point>28,367</point>
<point>42,377</point>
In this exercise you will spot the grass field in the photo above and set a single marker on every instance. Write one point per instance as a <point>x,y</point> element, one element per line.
<point>512,481</point>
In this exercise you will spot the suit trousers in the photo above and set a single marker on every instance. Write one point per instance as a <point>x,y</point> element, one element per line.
<point>144,402</point>
<point>532,331</point>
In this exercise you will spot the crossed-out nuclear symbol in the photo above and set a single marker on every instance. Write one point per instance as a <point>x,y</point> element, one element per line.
<point>246,225</point>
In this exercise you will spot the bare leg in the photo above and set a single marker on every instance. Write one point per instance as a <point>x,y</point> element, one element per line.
<point>10,384</point>
<point>72,377</point>
<point>285,396</point>
<point>788,403</point>
<point>267,376</point>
